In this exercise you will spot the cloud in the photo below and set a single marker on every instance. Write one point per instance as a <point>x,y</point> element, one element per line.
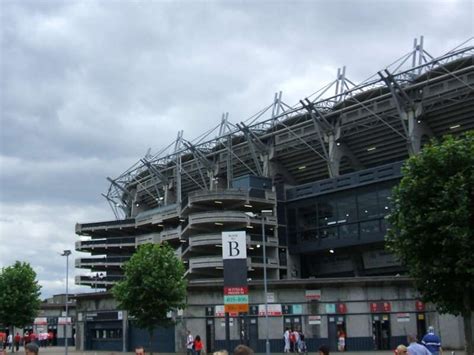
<point>88,86</point>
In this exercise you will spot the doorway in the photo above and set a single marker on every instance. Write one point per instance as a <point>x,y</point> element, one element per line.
<point>420,325</point>
<point>336,325</point>
<point>210,334</point>
<point>381,331</point>
<point>253,332</point>
<point>292,323</point>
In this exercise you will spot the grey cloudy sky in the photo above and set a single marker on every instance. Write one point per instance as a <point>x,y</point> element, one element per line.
<point>87,87</point>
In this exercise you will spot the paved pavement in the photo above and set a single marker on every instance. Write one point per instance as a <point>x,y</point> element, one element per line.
<point>72,351</point>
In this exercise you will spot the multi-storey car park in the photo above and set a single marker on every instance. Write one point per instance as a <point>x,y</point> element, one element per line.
<point>325,168</point>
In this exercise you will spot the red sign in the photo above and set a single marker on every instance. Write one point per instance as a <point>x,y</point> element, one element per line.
<point>341,308</point>
<point>235,291</point>
<point>420,306</point>
<point>378,307</point>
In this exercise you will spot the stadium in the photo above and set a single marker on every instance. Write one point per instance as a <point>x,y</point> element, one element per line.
<point>310,184</point>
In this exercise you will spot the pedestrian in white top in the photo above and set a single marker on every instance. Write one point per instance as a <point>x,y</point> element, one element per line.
<point>189,344</point>
<point>10,341</point>
<point>286,338</point>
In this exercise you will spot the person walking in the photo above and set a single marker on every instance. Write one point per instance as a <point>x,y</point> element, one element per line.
<point>189,344</point>
<point>341,340</point>
<point>286,339</point>
<point>26,339</point>
<point>432,342</point>
<point>17,340</point>
<point>197,345</point>
<point>302,343</point>
<point>294,341</point>
<point>10,341</point>
<point>414,348</point>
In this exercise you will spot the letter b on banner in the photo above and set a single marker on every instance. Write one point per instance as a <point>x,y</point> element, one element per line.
<point>234,245</point>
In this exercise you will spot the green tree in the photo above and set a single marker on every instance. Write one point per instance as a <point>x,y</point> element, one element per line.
<point>19,295</point>
<point>432,225</point>
<point>154,285</point>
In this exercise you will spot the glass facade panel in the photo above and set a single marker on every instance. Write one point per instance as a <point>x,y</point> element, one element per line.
<point>346,209</point>
<point>328,233</point>
<point>310,234</point>
<point>369,229</point>
<point>351,215</point>
<point>368,206</point>
<point>307,221</point>
<point>349,231</point>
<point>307,217</point>
<point>291,226</point>
<point>383,226</point>
<point>384,201</point>
<point>327,213</point>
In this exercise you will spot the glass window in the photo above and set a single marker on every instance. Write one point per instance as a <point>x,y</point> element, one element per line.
<point>310,234</point>
<point>383,226</point>
<point>346,209</point>
<point>367,202</point>
<point>291,219</point>
<point>327,215</point>
<point>307,217</point>
<point>384,201</point>
<point>349,231</point>
<point>328,233</point>
<point>282,257</point>
<point>291,226</point>
<point>369,229</point>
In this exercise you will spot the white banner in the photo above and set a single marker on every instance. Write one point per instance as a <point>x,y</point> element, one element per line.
<point>234,245</point>
<point>41,321</point>
<point>274,310</point>
<point>64,320</point>
<point>312,295</point>
<point>314,320</point>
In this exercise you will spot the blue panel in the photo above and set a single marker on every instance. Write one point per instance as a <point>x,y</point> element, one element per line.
<point>397,340</point>
<point>359,343</point>
<point>163,339</point>
<point>107,344</point>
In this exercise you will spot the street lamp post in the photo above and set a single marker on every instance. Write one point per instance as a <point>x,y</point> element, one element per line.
<point>265,293</point>
<point>66,253</point>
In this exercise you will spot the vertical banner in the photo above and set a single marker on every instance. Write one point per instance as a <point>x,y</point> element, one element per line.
<point>234,255</point>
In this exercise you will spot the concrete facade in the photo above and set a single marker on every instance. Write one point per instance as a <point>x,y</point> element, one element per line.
<point>324,169</point>
<point>342,302</point>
